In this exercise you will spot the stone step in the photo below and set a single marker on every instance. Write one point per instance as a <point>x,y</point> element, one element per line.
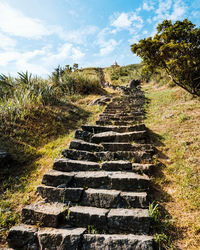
<point>68,165</point>
<point>118,118</point>
<point>112,136</point>
<point>95,129</point>
<point>59,194</point>
<point>116,165</point>
<point>117,220</point>
<point>83,135</point>
<point>24,236</point>
<point>121,115</point>
<point>124,112</point>
<point>125,181</point>
<point>132,104</point>
<point>102,198</point>
<point>137,156</point>
<point>80,155</point>
<point>44,214</point>
<point>142,168</point>
<point>118,123</point>
<point>85,146</point>
<point>118,242</point>
<point>125,146</point>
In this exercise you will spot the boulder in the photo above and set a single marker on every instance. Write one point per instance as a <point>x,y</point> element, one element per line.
<point>134,83</point>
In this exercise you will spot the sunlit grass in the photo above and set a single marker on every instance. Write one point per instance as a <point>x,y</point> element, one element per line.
<point>38,147</point>
<point>174,118</point>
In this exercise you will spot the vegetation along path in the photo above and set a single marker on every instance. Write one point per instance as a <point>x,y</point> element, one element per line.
<point>96,196</point>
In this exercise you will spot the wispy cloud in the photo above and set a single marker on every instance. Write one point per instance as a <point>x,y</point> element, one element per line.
<point>14,55</point>
<point>65,52</point>
<point>6,42</point>
<point>148,5</point>
<point>106,43</point>
<point>78,36</point>
<point>108,47</point>
<point>13,22</point>
<point>77,54</point>
<point>179,9</point>
<point>170,10</point>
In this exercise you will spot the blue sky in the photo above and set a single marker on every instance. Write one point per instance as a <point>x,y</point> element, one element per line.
<point>38,35</point>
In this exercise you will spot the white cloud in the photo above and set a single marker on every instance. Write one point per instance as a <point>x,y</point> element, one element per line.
<point>78,36</point>
<point>6,42</point>
<point>163,10</point>
<point>108,47</point>
<point>77,54</point>
<point>13,22</point>
<point>147,6</point>
<point>123,21</point>
<point>18,57</point>
<point>149,20</point>
<point>7,57</point>
<point>179,10</point>
<point>170,10</point>
<point>129,20</point>
<point>134,39</point>
<point>64,53</point>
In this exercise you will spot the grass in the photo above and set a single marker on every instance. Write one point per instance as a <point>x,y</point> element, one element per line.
<point>35,141</point>
<point>121,75</point>
<point>173,119</point>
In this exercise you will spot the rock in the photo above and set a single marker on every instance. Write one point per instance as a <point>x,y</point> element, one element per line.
<point>101,101</point>
<point>56,178</point>
<point>44,214</point>
<point>116,165</point>
<point>62,239</point>
<point>102,198</point>
<point>79,155</point>
<point>117,242</point>
<point>83,135</point>
<point>22,235</point>
<point>67,165</point>
<point>136,221</point>
<point>134,83</point>
<point>64,195</point>
<point>84,216</point>
<point>85,146</point>
<point>5,159</point>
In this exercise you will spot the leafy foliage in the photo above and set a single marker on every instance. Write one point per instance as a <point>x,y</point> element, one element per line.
<point>175,48</point>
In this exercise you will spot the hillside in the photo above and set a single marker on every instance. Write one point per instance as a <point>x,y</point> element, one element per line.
<point>38,137</point>
<point>173,118</point>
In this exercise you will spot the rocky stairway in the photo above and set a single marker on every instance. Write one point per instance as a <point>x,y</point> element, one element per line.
<point>96,196</point>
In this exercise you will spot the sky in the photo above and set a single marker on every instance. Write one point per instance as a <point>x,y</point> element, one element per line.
<point>38,35</point>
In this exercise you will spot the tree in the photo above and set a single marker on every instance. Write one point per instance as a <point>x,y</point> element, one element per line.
<point>75,66</point>
<point>176,49</point>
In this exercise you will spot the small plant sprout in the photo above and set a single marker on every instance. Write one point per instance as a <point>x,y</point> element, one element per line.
<point>154,212</point>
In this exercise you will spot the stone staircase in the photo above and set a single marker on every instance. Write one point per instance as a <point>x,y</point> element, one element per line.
<point>96,196</point>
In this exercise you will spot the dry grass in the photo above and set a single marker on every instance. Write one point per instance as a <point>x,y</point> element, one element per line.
<point>36,142</point>
<point>174,121</point>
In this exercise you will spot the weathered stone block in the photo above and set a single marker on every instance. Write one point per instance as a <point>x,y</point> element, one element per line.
<point>22,236</point>
<point>117,242</point>
<point>44,214</point>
